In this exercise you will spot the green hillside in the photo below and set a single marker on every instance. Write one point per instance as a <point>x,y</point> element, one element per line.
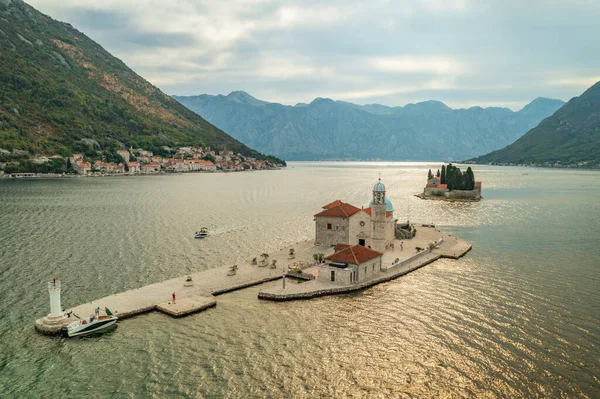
<point>60,92</point>
<point>571,135</point>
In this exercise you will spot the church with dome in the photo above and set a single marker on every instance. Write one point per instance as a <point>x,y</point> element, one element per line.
<point>373,227</point>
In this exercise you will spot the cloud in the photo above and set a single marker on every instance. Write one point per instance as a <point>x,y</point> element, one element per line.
<point>462,52</point>
<point>429,64</point>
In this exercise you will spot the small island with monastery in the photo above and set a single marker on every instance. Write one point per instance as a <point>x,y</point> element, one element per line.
<point>353,248</point>
<point>452,185</point>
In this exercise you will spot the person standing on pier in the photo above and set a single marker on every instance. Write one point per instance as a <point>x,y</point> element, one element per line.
<point>173,298</point>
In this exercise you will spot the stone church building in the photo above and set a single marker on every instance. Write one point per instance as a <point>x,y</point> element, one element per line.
<point>360,237</point>
<point>373,227</point>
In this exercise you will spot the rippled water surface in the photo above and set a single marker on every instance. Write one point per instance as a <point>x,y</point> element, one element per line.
<point>517,317</point>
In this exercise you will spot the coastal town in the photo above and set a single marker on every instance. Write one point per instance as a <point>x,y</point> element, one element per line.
<point>140,162</point>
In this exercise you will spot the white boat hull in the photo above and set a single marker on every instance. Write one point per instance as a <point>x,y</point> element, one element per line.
<point>79,328</point>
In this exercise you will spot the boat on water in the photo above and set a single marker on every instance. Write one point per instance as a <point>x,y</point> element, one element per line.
<point>203,233</point>
<point>90,325</point>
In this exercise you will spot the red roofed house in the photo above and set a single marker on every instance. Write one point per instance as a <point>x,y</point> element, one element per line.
<point>350,264</point>
<point>153,167</point>
<point>133,167</point>
<point>82,167</point>
<point>435,189</point>
<point>373,227</point>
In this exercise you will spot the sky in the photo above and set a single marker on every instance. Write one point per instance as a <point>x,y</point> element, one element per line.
<point>461,52</point>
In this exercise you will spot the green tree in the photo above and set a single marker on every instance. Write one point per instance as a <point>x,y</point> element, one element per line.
<point>209,157</point>
<point>443,176</point>
<point>470,179</point>
<point>69,166</point>
<point>438,173</point>
<point>429,175</point>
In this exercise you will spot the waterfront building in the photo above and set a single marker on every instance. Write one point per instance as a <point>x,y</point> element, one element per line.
<point>350,264</point>
<point>153,167</point>
<point>133,167</point>
<point>82,167</point>
<point>372,227</point>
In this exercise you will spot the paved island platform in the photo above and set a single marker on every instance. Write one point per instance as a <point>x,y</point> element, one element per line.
<point>197,292</point>
<point>403,259</point>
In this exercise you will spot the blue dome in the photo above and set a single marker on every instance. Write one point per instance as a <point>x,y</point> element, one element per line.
<point>379,187</point>
<point>388,205</point>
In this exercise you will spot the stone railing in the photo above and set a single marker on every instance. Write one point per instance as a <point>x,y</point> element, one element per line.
<point>405,261</point>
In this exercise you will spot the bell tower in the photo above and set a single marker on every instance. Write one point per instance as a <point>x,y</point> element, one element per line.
<point>378,219</point>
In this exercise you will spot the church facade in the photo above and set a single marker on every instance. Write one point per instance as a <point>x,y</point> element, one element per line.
<point>373,227</point>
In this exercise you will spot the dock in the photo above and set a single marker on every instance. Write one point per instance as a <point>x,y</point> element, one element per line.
<point>199,291</point>
<point>192,296</point>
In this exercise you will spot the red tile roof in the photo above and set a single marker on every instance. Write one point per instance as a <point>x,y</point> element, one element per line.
<point>442,186</point>
<point>341,210</point>
<point>431,185</point>
<point>332,204</point>
<point>340,246</point>
<point>355,254</point>
<point>370,211</point>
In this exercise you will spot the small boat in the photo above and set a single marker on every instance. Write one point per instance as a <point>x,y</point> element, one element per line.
<point>89,325</point>
<point>203,233</point>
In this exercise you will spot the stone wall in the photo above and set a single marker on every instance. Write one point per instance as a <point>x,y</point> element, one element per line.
<point>398,265</point>
<point>463,194</point>
<point>356,229</point>
<point>342,276</point>
<point>368,269</point>
<point>348,288</point>
<point>434,191</point>
<point>338,232</point>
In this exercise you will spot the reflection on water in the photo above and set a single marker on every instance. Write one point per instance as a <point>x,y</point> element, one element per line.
<point>517,317</point>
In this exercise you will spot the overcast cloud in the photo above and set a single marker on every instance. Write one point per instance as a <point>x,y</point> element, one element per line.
<point>461,52</point>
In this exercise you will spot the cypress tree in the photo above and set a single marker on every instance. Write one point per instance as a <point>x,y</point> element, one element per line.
<point>457,178</point>
<point>438,173</point>
<point>470,179</point>
<point>443,176</point>
<point>429,175</point>
<point>69,166</point>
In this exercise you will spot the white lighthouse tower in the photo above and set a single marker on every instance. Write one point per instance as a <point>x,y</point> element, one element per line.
<point>56,313</point>
<point>57,318</point>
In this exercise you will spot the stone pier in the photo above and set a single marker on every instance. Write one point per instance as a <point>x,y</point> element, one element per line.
<point>191,296</point>
<point>197,292</point>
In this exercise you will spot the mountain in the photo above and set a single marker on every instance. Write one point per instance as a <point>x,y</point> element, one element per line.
<point>60,92</point>
<point>327,129</point>
<point>570,135</point>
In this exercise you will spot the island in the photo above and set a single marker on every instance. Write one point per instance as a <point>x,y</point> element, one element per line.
<point>452,184</point>
<point>354,248</point>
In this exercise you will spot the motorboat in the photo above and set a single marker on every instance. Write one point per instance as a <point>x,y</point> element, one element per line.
<point>89,325</point>
<point>203,233</point>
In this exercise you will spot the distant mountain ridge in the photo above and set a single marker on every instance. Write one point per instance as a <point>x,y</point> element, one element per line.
<point>328,129</point>
<point>60,92</point>
<point>570,135</point>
